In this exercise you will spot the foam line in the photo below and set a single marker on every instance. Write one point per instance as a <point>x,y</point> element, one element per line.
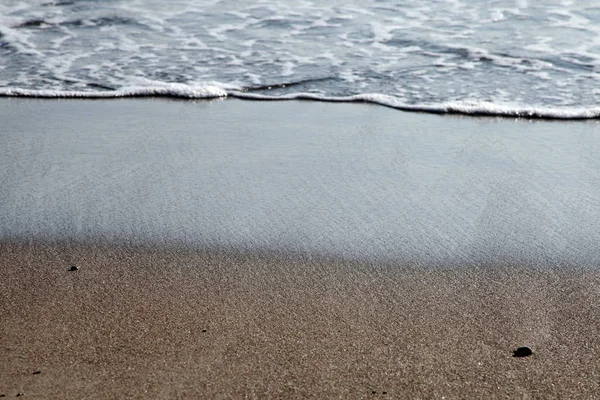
<point>172,90</point>
<point>182,91</point>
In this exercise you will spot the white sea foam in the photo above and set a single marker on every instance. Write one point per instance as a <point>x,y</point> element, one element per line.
<point>167,90</point>
<point>543,56</point>
<point>459,107</point>
<point>216,90</point>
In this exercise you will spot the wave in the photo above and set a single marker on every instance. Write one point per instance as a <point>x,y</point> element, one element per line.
<point>217,90</point>
<point>172,90</point>
<point>470,108</point>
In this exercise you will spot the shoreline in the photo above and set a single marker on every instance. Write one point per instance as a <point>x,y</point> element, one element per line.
<point>212,93</point>
<point>295,250</point>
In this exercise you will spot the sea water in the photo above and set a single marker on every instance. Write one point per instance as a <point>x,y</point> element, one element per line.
<point>517,58</point>
<point>357,181</point>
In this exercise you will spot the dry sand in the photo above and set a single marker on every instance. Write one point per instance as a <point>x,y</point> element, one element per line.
<point>160,323</point>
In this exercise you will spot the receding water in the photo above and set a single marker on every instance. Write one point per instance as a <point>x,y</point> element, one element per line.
<point>537,58</point>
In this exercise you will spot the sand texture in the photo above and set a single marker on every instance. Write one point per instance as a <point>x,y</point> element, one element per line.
<point>141,323</point>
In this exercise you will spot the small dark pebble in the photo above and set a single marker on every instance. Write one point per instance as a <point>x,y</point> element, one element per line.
<point>203,330</point>
<point>522,352</point>
<point>20,394</point>
<point>74,268</point>
<point>384,392</point>
<point>3,395</point>
<point>373,391</point>
<point>37,372</point>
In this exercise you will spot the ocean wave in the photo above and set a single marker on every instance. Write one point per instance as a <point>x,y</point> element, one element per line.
<point>172,90</point>
<point>469,108</point>
<point>217,90</point>
<point>423,57</point>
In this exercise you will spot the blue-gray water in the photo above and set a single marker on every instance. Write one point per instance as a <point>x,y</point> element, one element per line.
<point>357,181</point>
<point>539,58</point>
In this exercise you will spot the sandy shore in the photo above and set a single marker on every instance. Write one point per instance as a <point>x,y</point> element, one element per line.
<point>348,180</point>
<point>295,250</point>
<point>141,323</point>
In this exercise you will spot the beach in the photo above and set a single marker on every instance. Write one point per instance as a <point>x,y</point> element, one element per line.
<point>235,249</point>
<point>139,323</point>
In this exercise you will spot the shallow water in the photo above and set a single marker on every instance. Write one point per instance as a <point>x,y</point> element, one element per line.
<point>357,182</point>
<point>518,57</point>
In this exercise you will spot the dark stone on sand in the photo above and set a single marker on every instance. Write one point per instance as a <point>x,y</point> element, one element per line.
<point>523,351</point>
<point>37,372</point>
<point>2,395</point>
<point>20,394</point>
<point>74,268</point>
<point>203,330</point>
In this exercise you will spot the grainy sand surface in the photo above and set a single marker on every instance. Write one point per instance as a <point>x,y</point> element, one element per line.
<point>160,323</point>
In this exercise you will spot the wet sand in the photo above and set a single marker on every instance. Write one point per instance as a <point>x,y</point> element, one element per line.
<point>295,250</point>
<point>347,180</point>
